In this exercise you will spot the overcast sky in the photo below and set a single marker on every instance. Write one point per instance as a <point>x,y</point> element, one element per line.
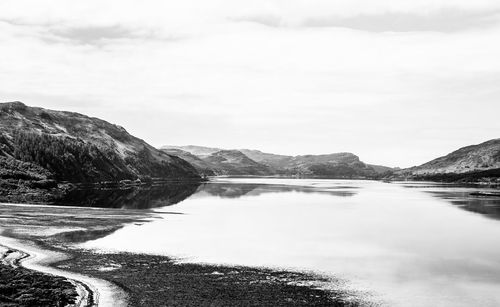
<point>396,82</point>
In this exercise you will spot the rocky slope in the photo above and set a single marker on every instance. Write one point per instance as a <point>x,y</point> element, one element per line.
<point>195,150</point>
<point>338,165</point>
<point>219,162</point>
<point>234,162</point>
<point>204,167</point>
<point>468,163</point>
<point>44,147</point>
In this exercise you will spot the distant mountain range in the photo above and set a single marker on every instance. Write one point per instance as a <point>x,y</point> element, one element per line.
<point>216,161</point>
<point>44,147</point>
<point>42,150</point>
<point>475,163</point>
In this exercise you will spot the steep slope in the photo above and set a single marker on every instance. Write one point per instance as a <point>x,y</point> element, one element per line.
<point>203,167</point>
<point>380,169</point>
<point>77,148</point>
<point>234,162</point>
<point>272,160</point>
<point>195,150</point>
<point>215,161</point>
<point>481,157</point>
<point>471,162</point>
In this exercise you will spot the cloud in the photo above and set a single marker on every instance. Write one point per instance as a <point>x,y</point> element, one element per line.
<point>293,77</point>
<point>94,34</point>
<point>443,20</point>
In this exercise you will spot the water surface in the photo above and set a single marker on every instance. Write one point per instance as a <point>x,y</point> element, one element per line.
<point>408,244</point>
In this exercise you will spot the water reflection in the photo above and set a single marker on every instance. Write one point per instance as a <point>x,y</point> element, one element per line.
<point>171,194</point>
<point>463,196</point>
<point>406,246</point>
<point>487,205</point>
<point>236,190</point>
<point>81,236</point>
<point>131,197</point>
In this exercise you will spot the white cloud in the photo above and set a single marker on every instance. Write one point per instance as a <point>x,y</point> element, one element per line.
<point>260,74</point>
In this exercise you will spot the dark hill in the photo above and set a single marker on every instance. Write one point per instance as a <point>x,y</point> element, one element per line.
<point>471,163</point>
<point>203,167</point>
<point>53,146</point>
<point>234,162</point>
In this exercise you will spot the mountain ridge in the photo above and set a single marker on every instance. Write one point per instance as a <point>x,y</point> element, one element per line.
<point>478,162</point>
<point>336,165</point>
<point>41,148</point>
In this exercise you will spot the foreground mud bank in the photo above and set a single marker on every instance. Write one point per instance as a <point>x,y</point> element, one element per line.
<point>160,281</point>
<point>33,239</point>
<point>43,285</point>
<point>22,287</point>
<point>84,279</point>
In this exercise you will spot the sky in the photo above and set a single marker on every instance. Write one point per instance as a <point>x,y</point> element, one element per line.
<point>396,82</point>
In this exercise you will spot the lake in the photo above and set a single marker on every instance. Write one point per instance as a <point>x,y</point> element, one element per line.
<point>402,243</point>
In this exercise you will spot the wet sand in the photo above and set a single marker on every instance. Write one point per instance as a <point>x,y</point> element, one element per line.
<point>91,291</point>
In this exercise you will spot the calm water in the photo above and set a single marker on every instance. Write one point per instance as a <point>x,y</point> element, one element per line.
<point>408,244</point>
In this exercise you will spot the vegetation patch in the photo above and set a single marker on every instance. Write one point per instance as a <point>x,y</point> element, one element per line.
<point>159,281</point>
<point>22,287</point>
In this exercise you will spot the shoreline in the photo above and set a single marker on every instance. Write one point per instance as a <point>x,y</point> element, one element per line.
<point>85,296</point>
<point>91,291</point>
<point>152,280</point>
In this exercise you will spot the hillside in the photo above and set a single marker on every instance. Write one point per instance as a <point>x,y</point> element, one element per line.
<point>195,150</point>
<point>39,145</point>
<point>467,163</point>
<point>272,160</point>
<point>215,161</point>
<point>338,165</point>
<point>234,162</point>
<point>202,166</point>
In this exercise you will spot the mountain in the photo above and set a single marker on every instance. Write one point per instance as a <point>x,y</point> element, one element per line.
<point>469,163</point>
<point>215,161</point>
<point>234,162</point>
<point>195,150</point>
<point>46,146</point>
<point>272,160</point>
<point>338,165</point>
<point>317,164</point>
<point>202,166</point>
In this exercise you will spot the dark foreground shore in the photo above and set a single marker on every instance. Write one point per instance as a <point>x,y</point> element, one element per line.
<point>159,281</point>
<point>23,287</point>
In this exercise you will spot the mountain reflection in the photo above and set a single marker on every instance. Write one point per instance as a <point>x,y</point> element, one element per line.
<point>460,196</point>
<point>171,194</point>
<point>486,205</point>
<point>131,197</point>
<point>236,190</point>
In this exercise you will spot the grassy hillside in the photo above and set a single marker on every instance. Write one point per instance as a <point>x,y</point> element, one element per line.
<point>40,149</point>
<point>473,163</point>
